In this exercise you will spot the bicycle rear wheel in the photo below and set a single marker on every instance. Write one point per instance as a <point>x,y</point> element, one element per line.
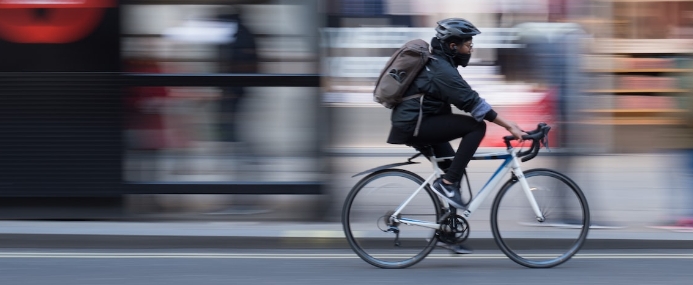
<point>366,212</point>
<point>540,244</point>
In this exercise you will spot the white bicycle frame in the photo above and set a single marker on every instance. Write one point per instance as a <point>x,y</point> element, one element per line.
<point>511,163</point>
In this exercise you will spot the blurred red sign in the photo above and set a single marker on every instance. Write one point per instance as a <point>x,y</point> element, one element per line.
<point>527,116</point>
<point>50,21</point>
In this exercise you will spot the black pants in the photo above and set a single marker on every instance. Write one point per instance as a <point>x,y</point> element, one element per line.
<point>438,131</point>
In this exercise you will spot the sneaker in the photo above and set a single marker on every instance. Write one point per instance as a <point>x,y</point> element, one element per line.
<point>449,192</point>
<point>455,248</point>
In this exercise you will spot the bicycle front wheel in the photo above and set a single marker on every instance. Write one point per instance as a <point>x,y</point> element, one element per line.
<point>369,229</point>
<point>540,243</point>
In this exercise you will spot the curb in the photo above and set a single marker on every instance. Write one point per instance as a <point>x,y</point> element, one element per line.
<point>87,241</point>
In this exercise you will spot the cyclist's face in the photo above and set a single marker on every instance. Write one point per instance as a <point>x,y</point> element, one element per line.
<point>467,47</point>
<point>464,48</point>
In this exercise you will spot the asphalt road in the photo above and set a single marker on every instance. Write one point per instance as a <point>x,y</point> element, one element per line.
<point>334,267</point>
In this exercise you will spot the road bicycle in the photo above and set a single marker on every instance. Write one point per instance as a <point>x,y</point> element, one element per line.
<point>393,219</point>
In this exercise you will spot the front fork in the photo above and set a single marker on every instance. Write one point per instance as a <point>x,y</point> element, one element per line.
<point>520,176</point>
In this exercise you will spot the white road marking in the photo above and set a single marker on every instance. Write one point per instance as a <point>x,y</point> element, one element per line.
<point>309,255</point>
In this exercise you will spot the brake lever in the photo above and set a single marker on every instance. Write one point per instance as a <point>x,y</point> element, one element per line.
<point>545,142</point>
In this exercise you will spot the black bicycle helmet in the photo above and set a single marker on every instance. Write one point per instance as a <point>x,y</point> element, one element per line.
<point>455,28</point>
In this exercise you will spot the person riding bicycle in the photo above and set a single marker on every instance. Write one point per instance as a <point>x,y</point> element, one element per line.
<point>442,85</point>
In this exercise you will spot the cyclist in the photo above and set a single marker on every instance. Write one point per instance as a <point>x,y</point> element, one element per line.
<point>442,85</point>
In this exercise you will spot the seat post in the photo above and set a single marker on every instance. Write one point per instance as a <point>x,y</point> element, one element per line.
<point>427,151</point>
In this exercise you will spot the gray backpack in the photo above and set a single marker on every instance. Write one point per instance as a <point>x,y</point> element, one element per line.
<point>399,72</point>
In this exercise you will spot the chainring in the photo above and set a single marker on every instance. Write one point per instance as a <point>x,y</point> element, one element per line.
<point>454,230</point>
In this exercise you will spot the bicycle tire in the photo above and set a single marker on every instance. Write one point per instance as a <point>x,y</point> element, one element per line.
<point>558,241</point>
<point>366,205</point>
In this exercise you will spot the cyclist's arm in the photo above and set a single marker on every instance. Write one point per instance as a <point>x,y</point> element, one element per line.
<point>511,126</point>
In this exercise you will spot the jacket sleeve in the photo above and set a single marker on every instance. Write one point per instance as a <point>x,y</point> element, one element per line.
<point>455,90</point>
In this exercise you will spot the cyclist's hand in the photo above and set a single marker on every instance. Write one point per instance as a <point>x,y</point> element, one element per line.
<point>515,130</point>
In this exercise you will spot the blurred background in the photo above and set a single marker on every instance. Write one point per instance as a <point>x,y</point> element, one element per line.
<point>238,109</point>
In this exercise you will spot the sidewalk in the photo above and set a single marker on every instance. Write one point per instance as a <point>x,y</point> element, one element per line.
<point>264,235</point>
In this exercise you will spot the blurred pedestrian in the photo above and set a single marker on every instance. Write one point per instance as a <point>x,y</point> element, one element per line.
<point>238,55</point>
<point>552,59</point>
<point>681,138</point>
<point>145,124</point>
<point>144,107</point>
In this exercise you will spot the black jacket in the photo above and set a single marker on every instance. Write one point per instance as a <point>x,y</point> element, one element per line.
<point>442,85</point>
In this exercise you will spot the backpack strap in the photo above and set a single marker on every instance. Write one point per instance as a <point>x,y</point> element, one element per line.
<point>418,121</point>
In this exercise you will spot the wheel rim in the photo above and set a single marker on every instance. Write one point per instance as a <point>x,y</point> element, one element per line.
<point>541,243</point>
<point>366,213</point>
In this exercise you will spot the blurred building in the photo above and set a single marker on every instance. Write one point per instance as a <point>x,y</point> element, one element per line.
<point>197,38</point>
<point>75,126</point>
<point>639,61</point>
<point>634,66</point>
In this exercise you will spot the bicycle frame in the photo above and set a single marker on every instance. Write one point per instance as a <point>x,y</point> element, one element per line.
<point>510,163</point>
